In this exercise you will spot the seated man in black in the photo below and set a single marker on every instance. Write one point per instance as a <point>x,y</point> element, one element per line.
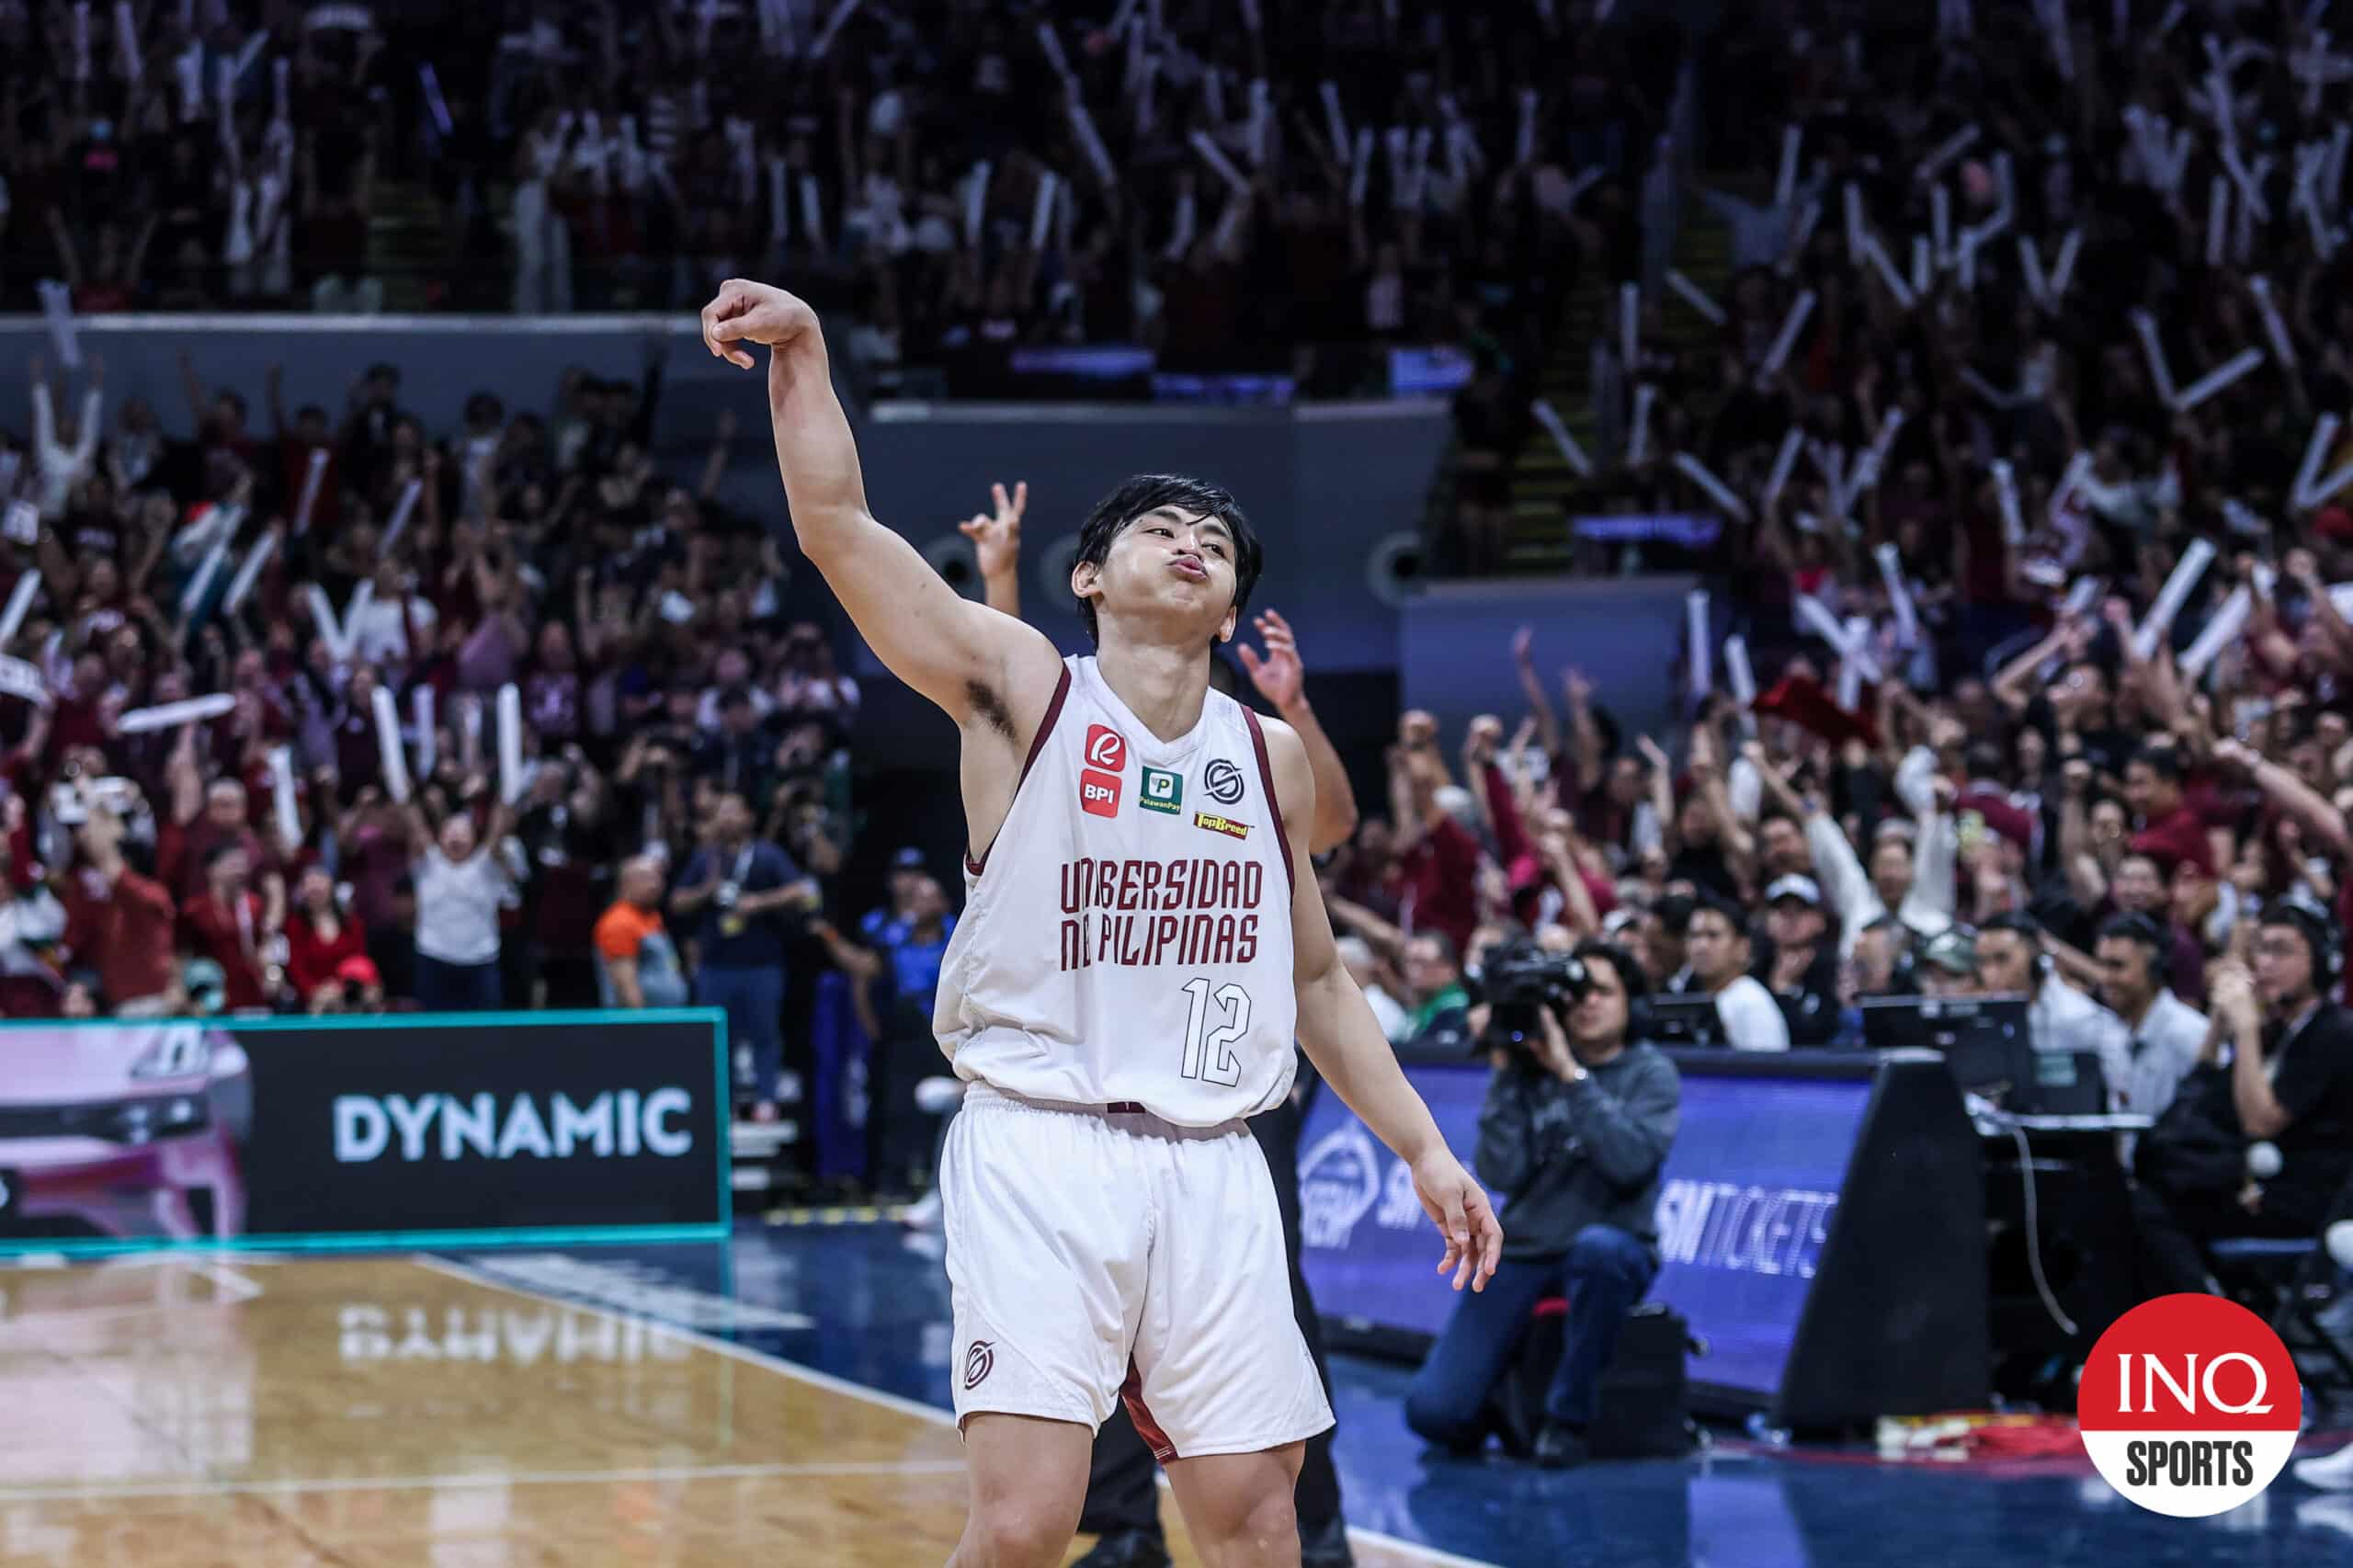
<point>1573,1132</point>
<point>2289,1083</point>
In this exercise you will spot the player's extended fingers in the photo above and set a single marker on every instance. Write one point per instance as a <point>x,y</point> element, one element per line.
<point>1021,498</point>
<point>1490,1244</point>
<point>1449,1260</point>
<point>996,494</point>
<point>1458,1234</point>
<point>1274,619</point>
<point>1250,657</point>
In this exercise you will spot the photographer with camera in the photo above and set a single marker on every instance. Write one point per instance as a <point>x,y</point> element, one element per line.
<point>1575,1128</point>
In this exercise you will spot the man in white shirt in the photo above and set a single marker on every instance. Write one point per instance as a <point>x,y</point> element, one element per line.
<point>1717,944</point>
<point>2167,1034</point>
<point>2058,1016</point>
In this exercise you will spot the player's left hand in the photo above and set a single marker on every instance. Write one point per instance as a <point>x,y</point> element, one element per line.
<point>1458,1206</point>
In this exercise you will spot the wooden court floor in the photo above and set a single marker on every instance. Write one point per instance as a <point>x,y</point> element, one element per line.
<point>388,1412</point>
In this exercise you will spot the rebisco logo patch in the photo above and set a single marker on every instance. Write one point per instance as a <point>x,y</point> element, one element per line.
<point>1225,825</point>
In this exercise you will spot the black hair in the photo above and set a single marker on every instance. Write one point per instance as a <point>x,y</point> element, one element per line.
<point>1444,943</point>
<point>2136,927</point>
<point>2162,761</point>
<point>1149,492</point>
<point>1631,977</point>
<point>2017,923</point>
<point>2317,930</point>
<point>1675,913</point>
<point>1708,904</point>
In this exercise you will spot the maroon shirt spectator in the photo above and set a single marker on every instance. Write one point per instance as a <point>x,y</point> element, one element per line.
<point>1441,872</point>
<point>230,924</point>
<point>319,937</point>
<point>183,857</point>
<point>2171,832</point>
<point>375,859</point>
<point>119,922</point>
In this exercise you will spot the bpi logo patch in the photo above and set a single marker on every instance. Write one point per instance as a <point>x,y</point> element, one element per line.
<point>1224,782</point>
<point>1099,793</point>
<point>2189,1406</point>
<point>978,1362</point>
<point>1106,748</point>
<point>1163,790</point>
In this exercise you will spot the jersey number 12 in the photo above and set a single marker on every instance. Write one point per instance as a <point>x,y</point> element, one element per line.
<point>1209,1055</point>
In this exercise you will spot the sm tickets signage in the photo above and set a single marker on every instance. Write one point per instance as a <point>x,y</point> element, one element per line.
<point>508,1122</point>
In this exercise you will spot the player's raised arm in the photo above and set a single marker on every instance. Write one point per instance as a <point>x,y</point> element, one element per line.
<point>956,653</point>
<point>1344,1040</point>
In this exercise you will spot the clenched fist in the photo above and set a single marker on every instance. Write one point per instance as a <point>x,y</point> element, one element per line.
<point>744,312</point>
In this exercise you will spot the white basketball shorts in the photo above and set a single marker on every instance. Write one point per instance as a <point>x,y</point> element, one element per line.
<point>1095,1255</point>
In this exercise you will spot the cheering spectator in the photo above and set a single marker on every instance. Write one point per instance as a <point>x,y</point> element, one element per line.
<point>319,939</point>
<point>461,886</point>
<point>119,922</point>
<point>637,964</point>
<point>235,927</point>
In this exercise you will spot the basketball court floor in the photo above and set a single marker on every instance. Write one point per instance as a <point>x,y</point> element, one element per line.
<point>783,1402</point>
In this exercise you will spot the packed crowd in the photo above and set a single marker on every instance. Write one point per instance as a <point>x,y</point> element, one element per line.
<point>1227,187</point>
<point>2023,291</point>
<point>330,714</point>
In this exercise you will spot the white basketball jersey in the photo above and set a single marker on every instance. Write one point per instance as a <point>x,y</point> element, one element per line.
<point>1127,937</point>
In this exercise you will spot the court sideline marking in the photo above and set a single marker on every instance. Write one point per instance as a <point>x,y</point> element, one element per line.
<point>236,1290</point>
<point>483,1480</point>
<point>826,1381</point>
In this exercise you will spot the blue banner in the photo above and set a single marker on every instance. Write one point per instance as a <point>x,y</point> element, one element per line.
<point>1749,1194</point>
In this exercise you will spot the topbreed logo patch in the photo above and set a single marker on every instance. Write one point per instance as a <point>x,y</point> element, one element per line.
<point>2189,1406</point>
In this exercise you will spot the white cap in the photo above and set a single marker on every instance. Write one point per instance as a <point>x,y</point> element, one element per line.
<point>1797,887</point>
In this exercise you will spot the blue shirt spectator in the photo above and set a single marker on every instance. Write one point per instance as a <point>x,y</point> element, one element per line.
<point>915,935</point>
<point>735,889</point>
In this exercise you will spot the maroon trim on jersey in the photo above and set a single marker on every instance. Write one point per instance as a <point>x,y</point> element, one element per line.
<point>1274,805</point>
<point>1045,728</point>
<point>1146,1427</point>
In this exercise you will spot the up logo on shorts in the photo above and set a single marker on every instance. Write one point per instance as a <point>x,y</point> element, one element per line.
<point>978,1362</point>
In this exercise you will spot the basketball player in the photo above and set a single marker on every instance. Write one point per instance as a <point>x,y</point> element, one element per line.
<point>1141,942</point>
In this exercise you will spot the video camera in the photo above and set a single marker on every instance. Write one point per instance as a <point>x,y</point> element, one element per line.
<point>1519,980</point>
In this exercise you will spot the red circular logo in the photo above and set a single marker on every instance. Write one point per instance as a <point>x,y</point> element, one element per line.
<point>2189,1406</point>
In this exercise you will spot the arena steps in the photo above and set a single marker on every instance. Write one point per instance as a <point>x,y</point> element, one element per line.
<point>1543,484</point>
<point>407,245</point>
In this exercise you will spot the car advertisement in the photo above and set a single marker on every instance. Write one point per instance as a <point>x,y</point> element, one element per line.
<point>220,1131</point>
